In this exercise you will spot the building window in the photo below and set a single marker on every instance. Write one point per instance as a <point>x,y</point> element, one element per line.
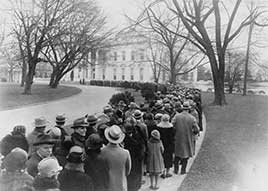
<point>131,73</point>
<point>142,54</point>
<point>115,56</point>
<point>141,74</point>
<point>103,73</point>
<point>123,73</point>
<point>132,55</point>
<point>114,73</point>
<point>123,55</point>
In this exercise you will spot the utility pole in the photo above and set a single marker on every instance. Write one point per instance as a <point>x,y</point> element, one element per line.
<point>247,58</point>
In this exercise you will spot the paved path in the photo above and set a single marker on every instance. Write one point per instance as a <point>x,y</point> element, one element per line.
<point>91,100</point>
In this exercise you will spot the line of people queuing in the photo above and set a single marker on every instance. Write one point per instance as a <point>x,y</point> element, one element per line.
<point>109,151</point>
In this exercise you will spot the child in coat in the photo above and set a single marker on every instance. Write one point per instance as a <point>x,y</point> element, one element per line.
<point>155,162</point>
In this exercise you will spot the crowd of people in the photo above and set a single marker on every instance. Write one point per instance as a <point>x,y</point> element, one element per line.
<point>109,151</point>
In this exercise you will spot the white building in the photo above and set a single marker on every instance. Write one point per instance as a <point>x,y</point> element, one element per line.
<point>128,58</point>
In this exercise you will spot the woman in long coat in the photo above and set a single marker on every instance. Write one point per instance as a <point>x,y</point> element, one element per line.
<point>135,144</point>
<point>167,136</point>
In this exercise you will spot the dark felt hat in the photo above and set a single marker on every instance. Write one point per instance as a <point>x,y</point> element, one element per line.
<point>92,119</point>
<point>44,139</point>
<point>60,118</point>
<point>80,122</point>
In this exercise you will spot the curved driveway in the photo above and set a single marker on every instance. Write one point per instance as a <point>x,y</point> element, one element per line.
<point>91,100</point>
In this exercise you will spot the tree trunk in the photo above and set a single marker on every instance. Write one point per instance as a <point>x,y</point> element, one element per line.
<point>29,82</point>
<point>23,73</point>
<point>219,96</point>
<point>218,80</point>
<point>247,58</point>
<point>29,77</point>
<point>52,77</point>
<point>56,80</point>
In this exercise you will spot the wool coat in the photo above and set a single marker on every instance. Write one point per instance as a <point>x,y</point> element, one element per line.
<point>32,164</point>
<point>46,184</point>
<point>167,137</point>
<point>72,180</point>
<point>155,162</point>
<point>97,168</point>
<point>32,138</point>
<point>14,181</point>
<point>135,144</point>
<point>119,163</point>
<point>183,124</point>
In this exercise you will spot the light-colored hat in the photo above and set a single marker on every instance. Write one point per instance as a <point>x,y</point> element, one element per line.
<point>155,134</point>
<point>75,155</point>
<point>114,134</point>
<point>54,132</point>
<point>133,105</point>
<point>137,114</point>
<point>40,122</point>
<point>158,116</point>
<point>48,167</point>
<point>165,122</point>
<point>186,105</point>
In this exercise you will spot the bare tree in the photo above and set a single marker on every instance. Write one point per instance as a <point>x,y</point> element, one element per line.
<point>81,32</point>
<point>165,30</point>
<point>194,14</point>
<point>234,68</point>
<point>36,24</point>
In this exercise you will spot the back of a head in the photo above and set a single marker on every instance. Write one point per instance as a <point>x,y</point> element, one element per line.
<point>15,160</point>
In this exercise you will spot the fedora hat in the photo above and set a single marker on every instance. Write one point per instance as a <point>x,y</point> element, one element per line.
<point>186,105</point>
<point>92,119</point>
<point>80,122</point>
<point>114,134</point>
<point>44,139</point>
<point>107,109</point>
<point>94,141</point>
<point>137,114</point>
<point>155,134</point>
<point>60,118</point>
<point>40,122</point>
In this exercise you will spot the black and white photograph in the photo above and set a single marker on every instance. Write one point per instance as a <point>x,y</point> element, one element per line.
<point>134,95</point>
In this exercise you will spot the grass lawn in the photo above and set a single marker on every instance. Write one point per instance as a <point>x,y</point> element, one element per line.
<point>11,95</point>
<point>234,153</point>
